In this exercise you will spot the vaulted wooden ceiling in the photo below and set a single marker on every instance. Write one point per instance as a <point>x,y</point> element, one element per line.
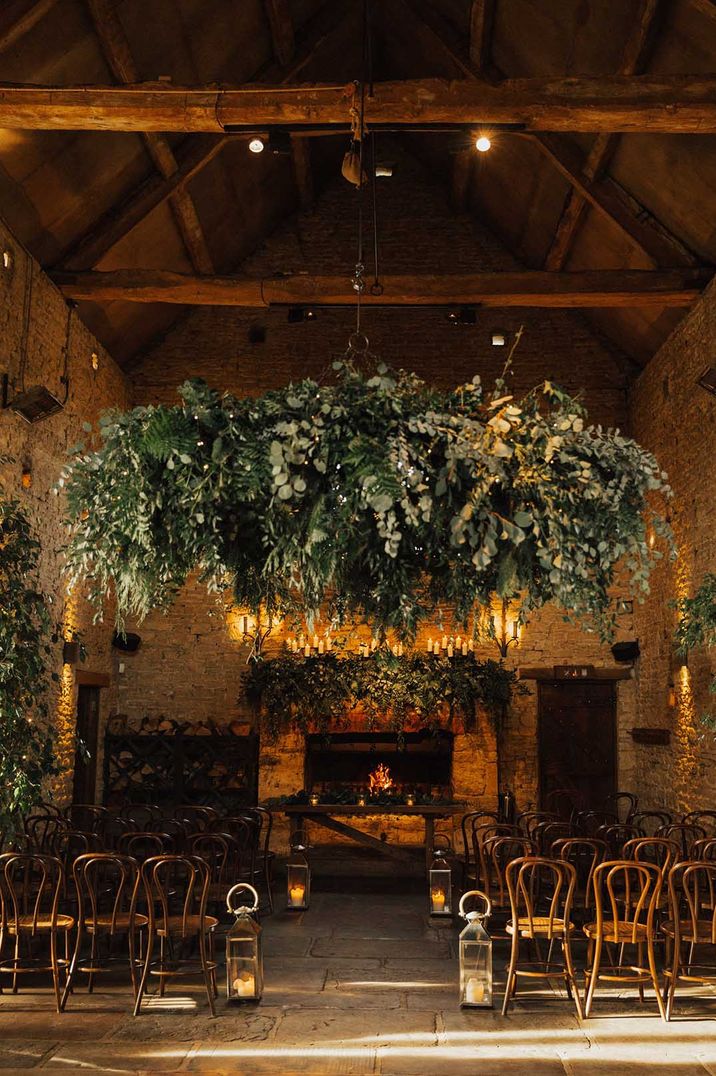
<point>199,203</point>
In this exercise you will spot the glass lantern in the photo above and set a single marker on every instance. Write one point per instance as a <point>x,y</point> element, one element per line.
<point>440,878</point>
<point>244,960</point>
<point>298,873</point>
<point>475,955</point>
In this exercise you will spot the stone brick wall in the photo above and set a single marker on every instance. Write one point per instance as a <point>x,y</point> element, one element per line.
<point>44,446</point>
<point>676,419</point>
<point>188,666</point>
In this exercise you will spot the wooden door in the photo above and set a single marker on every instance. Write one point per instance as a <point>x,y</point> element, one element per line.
<point>85,780</point>
<point>577,741</point>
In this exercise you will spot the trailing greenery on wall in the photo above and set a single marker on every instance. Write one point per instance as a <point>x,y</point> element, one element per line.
<point>378,497</point>
<point>25,629</point>
<point>697,627</point>
<point>318,693</point>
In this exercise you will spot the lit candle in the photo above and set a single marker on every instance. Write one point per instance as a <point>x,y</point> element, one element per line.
<point>437,897</point>
<point>361,801</point>
<point>307,651</point>
<point>472,646</point>
<point>430,645</point>
<point>444,642</point>
<point>329,643</point>
<point>297,895</point>
<point>400,650</point>
<point>458,642</point>
<point>315,642</point>
<point>245,985</point>
<point>320,646</point>
<point>314,799</point>
<point>436,647</point>
<point>301,640</point>
<point>410,801</point>
<point>450,650</point>
<point>374,644</point>
<point>474,991</point>
<point>464,650</point>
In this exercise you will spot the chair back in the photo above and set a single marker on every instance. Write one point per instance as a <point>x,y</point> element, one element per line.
<point>144,845</point>
<point>175,829</point>
<point>651,821</point>
<point>483,831</point>
<point>42,831</point>
<point>584,853</point>
<point>660,851</point>
<point>705,819</point>
<point>73,843</point>
<point>216,851</point>
<point>498,851</point>
<point>626,893</point>
<point>544,834</point>
<point>30,886</point>
<point>182,878</point>
<point>616,835</point>
<point>107,885</point>
<point>692,901</point>
<point>86,817</point>
<point>112,826</point>
<point>589,823</point>
<point>140,816</point>
<point>264,818</point>
<point>527,820</point>
<point>705,848</point>
<point>564,802</point>
<point>196,816</point>
<point>540,887</point>
<point>684,833</point>
<point>623,804</point>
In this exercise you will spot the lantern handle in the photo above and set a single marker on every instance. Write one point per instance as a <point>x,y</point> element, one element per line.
<point>475,915</point>
<point>444,837</point>
<point>242,909</point>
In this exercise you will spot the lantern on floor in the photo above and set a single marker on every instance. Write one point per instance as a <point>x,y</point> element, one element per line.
<point>244,961</point>
<point>475,954</point>
<point>440,877</point>
<point>298,873</point>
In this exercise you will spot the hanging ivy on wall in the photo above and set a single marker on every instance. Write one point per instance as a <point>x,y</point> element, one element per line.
<point>378,498</point>
<point>319,693</point>
<point>697,627</point>
<point>26,752</point>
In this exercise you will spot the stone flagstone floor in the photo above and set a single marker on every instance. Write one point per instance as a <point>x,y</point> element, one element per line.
<point>361,983</point>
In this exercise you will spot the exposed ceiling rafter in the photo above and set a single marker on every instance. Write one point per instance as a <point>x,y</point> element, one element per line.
<point>596,288</point>
<point>17,17</point>
<point>117,53</point>
<point>676,104</point>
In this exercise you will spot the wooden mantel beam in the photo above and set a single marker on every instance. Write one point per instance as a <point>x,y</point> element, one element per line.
<point>596,288</point>
<point>683,104</point>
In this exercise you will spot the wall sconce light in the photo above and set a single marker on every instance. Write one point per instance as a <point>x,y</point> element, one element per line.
<point>250,628</point>
<point>506,627</point>
<point>26,476</point>
<point>70,652</point>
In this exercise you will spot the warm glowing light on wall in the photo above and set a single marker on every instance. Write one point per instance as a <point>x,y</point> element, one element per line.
<point>506,625</point>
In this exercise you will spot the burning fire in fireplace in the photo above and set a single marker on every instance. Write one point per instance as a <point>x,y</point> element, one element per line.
<point>380,779</point>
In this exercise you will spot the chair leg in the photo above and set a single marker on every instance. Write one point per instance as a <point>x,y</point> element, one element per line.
<point>570,976</point>
<point>511,974</point>
<point>670,990</point>
<point>207,973</point>
<point>655,977</point>
<point>162,977</point>
<point>55,969</point>
<point>132,963</point>
<point>71,973</point>
<point>640,962</point>
<point>145,974</point>
<point>593,976</point>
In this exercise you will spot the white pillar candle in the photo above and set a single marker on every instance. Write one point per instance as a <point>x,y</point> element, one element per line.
<point>464,650</point>
<point>430,645</point>
<point>320,646</point>
<point>315,642</point>
<point>444,642</point>
<point>307,651</point>
<point>458,642</point>
<point>450,650</point>
<point>245,985</point>
<point>329,643</point>
<point>474,992</point>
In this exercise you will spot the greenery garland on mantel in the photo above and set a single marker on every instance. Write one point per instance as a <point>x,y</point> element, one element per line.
<point>377,498</point>
<point>320,693</point>
<point>26,741</point>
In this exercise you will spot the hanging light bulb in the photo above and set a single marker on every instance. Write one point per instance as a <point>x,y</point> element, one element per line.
<point>483,144</point>
<point>257,145</point>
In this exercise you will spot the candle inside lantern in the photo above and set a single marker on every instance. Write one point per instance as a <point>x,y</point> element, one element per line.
<point>437,898</point>
<point>245,985</point>
<point>314,799</point>
<point>297,895</point>
<point>474,991</point>
<point>361,801</point>
<point>410,801</point>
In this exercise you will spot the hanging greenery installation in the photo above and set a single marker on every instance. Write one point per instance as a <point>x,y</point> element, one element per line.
<point>377,498</point>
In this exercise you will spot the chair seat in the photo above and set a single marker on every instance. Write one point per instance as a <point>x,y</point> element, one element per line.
<point>703,931</point>
<point>121,922</point>
<point>624,932</point>
<point>44,923</point>
<point>539,925</point>
<point>191,924</point>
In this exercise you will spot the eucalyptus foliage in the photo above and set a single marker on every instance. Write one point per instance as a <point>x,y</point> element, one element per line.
<point>26,756</point>
<point>377,497</point>
<point>319,693</point>
<point>697,627</point>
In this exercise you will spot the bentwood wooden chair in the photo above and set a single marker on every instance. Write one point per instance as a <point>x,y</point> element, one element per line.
<point>178,922</point>
<point>692,923</point>
<point>470,869</point>
<point>528,881</point>
<point>626,896</point>
<point>651,821</point>
<point>623,804</point>
<point>685,833</point>
<point>107,886</point>
<point>704,848</point>
<point>264,857</point>
<point>705,819</point>
<point>31,885</point>
<point>498,852</point>
<point>584,853</point>
<point>481,833</point>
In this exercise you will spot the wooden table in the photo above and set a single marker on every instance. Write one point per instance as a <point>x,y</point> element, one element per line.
<point>324,814</point>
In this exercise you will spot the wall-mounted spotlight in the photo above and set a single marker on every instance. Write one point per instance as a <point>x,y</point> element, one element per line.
<point>257,145</point>
<point>483,144</point>
<point>300,313</point>
<point>462,315</point>
<point>708,380</point>
<point>498,339</point>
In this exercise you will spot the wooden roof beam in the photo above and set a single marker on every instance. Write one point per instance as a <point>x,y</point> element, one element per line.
<point>117,53</point>
<point>677,104</point>
<point>634,59</point>
<point>596,288</point>
<point>17,17</point>
<point>278,13</point>
<point>482,21</point>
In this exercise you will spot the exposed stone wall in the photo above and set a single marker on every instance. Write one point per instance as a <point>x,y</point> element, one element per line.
<point>43,446</point>
<point>188,666</point>
<point>676,419</point>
